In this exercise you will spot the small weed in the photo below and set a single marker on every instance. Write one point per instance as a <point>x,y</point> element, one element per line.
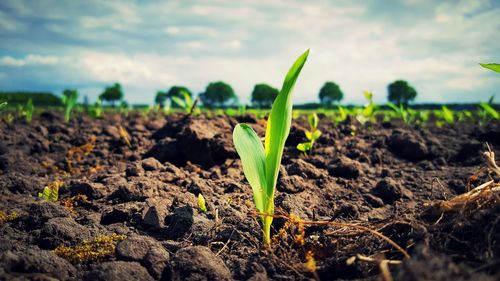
<point>90,250</point>
<point>4,217</point>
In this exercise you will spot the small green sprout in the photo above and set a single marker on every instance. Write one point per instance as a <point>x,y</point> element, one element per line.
<point>488,110</point>
<point>29,111</point>
<point>368,110</point>
<point>343,113</point>
<point>312,135</point>
<point>242,109</point>
<point>201,203</point>
<point>400,111</point>
<point>69,99</point>
<point>261,163</point>
<point>491,66</point>
<point>186,102</point>
<point>3,105</point>
<point>96,110</point>
<point>51,191</point>
<point>448,115</point>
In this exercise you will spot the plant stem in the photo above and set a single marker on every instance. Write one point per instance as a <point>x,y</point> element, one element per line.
<point>266,227</point>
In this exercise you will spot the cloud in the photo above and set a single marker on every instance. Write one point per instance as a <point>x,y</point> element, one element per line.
<point>152,45</point>
<point>29,60</point>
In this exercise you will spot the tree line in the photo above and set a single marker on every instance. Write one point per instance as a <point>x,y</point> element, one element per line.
<point>220,94</point>
<point>216,95</point>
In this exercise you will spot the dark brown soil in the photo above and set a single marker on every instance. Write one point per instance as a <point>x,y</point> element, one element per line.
<point>378,175</point>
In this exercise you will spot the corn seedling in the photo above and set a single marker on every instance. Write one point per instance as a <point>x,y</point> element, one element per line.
<point>69,100</point>
<point>51,191</point>
<point>186,102</point>
<point>447,115</point>
<point>29,111</point>
<point>312,135</point>
<point>491,66</point>
<point>96,110</point>
<point>201,203</point>
<point>125,136</point>
<point>368,110</point>
<point>261,163</point>
<point>342,114</point>
<point>400,111</point>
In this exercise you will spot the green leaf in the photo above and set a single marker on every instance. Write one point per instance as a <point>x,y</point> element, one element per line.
<point>201,203</point>
<point>251,152</point>
<point>448,115</point>
<point>316,134</point>
<point>492,66</point>
<point>304,146</point>
<point>490,110</point>
<point>393,107</point>
<point>313,120</point>
<point>278,127</point>
<point>179,101</point>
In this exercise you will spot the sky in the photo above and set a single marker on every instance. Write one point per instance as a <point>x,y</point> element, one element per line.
<point>147,46</point>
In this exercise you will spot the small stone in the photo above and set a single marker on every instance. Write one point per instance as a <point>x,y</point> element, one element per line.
<point>303,168</point>
<point>345,167</point>
<point>374,201</point>
<point>36,261</point>
<point>118,271</point>
<point>115,215</point>
<point>156,260</point>
<point>57,231</point>
<point>134,170</point>
<point>293,184</point>
<point>389,190</point>
<point>151,164</point>
<point>91,189</point>
<point>136,247</point>
<point>197,263</point>
<point>408,145</point>
<point>155,212</point>
<point>179,222</point>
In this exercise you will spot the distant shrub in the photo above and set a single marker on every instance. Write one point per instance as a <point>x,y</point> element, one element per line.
<point>38,98</point>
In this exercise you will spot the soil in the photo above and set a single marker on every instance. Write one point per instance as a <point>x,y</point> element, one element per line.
<point>382,176</point>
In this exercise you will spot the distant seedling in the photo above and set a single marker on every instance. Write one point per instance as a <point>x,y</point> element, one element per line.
<point>312,135</point>
<point>51,191</point>
<point>69,99</point>
<point>3,105</point>
<point>368,110</point>
<point>186,102</point>
<point>261,163</point>
<point>29,111</point>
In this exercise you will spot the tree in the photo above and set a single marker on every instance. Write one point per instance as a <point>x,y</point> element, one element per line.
<point>400,92</point>
<point>218,94</point>
<point>264,95</point>
<point>112,94</point>
<point>330,93</point>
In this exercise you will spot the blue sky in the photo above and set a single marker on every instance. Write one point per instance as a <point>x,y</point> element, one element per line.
<point>151,45</point>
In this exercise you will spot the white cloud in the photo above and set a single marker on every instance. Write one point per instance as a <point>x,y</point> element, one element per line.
<point>360,45</point>
<point>30,59</point>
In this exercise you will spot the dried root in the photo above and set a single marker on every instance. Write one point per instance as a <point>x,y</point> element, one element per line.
<point>482,196</point>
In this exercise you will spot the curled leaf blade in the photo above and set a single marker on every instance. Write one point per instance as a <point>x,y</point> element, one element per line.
<point>251,152</point>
